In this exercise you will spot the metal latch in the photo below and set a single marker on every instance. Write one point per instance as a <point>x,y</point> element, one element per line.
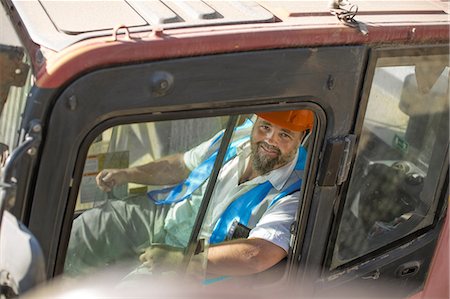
<point>336,160</point>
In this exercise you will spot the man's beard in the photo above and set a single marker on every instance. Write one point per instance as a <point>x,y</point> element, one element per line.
<point>263,163</point>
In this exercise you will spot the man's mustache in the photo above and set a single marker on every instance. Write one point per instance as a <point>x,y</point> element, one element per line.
<point>269,147</point>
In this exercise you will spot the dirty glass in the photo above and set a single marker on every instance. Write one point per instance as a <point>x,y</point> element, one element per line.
<point>144,184</point>
<point>401,155</point>
<point>117,217</point>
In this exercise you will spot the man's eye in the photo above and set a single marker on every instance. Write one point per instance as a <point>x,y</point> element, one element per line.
<point>265,128</point>
<point>285,136</point>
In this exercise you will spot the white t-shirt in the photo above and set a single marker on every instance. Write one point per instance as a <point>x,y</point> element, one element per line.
<point>271,224</point>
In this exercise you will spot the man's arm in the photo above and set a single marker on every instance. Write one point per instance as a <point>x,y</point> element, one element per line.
<point>166,171</point>
<point>243,257</point>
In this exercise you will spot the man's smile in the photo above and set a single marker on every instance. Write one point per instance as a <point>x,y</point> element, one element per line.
<point>269,150</point>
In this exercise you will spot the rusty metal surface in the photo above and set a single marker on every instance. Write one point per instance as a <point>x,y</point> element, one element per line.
<point>56,25</point>
<point>167,29</point>
<point>88,55</point>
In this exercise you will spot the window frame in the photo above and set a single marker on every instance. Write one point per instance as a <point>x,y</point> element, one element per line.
<point>306,102</point>
<point>438,204</point>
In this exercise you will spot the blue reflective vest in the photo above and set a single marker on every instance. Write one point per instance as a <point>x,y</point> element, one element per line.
<point>242,207</point>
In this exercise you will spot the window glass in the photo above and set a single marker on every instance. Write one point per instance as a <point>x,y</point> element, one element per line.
<point>15,83</point>
<point>144,184</point>
<point>115,218</point>
<point>401,154</point>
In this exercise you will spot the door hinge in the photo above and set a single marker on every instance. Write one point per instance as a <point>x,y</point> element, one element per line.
<point>336,160</point>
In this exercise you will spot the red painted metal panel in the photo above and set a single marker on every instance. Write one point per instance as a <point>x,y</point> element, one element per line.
<point>102,52</point>
<point>437,284</point>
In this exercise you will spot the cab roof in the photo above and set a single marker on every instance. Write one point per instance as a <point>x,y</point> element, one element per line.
<point>58,24</point>
<point>152,30</point>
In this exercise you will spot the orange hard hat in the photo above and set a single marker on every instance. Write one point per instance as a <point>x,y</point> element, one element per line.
<point>294,120</point>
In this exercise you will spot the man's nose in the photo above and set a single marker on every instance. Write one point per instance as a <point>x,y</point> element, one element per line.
<point>271,138</point>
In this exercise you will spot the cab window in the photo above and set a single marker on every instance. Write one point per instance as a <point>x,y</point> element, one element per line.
<point>97,224</point>
<point>396,178</point>
<point>150,191</point>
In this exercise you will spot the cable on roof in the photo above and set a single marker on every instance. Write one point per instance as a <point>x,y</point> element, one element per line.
<point>346,11</point>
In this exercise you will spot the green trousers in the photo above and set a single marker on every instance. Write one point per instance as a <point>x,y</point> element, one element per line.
<point>116,231</point>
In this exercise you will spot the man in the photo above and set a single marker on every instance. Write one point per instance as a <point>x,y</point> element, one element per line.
<point>258,186</point>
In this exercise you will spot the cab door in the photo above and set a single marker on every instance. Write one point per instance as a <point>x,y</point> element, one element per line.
<point>389,212</point>
<point>96,119</point>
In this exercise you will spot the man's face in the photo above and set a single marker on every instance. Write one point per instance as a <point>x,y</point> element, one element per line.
<point>272,146</point>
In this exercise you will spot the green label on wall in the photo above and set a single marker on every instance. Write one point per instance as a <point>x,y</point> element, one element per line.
<point>400,143</point>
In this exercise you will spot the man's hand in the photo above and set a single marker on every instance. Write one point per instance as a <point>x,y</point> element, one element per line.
<point>168,170</point>
<point>162,258</point>
<point>109,178</point>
